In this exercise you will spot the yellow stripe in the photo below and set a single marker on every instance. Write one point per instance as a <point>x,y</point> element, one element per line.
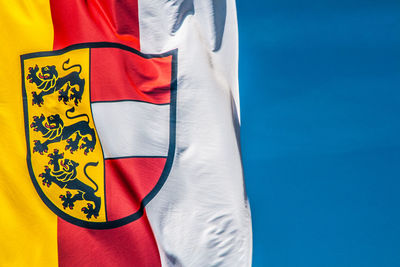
<point>28,228</point>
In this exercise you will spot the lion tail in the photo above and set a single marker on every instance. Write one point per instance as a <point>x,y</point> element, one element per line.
<point>77,116</point>
<point>70,67</point>
<point>94,164</point>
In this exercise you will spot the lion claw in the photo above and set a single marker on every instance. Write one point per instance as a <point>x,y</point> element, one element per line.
<point>68,201</point>
<point>90,211</point>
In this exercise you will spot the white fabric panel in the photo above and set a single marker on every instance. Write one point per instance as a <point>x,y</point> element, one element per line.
<point>132,128</point>
<point>201,215</point>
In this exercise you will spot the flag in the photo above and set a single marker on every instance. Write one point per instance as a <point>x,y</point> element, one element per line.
<point>120,134</point>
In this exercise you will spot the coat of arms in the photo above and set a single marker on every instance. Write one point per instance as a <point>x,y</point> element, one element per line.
<point>100,130</point>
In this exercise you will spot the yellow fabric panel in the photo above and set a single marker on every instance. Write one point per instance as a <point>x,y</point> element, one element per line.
<point>28,228</point>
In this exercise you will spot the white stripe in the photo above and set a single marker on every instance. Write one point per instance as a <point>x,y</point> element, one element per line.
<point>132,128</point>
<point>201,215</point>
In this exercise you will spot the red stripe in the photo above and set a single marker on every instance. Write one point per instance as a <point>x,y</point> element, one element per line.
<point>77,21</point>
<point>129,245</point>
<point>128,181</point>
<point>121,75</point>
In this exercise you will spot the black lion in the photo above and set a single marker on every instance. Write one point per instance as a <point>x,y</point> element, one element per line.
<point>48,81</point>
<point>66,177</point>
<point>54,131</point>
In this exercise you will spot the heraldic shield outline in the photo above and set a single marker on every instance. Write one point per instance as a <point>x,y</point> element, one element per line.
<point>71,167</point>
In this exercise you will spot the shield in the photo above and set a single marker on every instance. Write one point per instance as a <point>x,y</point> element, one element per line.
<point>100,130</point>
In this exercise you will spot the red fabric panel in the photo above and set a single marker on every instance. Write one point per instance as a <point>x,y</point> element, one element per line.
<point>125,246</point>
<point>121,75</point>
<point>128,181</point>
<point>77,21</point>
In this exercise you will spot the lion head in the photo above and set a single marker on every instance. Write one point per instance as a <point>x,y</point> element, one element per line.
<point>54,126</point>
<point>48,73</point>
<point>54,122</point>
<point>68,171</point>
<point>45,79</point>
<point>69,165</point>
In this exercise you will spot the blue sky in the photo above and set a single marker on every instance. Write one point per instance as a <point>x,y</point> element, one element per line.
<point>320,106</point>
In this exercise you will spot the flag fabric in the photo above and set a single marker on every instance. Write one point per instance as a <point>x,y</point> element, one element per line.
<point>120,137</point>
